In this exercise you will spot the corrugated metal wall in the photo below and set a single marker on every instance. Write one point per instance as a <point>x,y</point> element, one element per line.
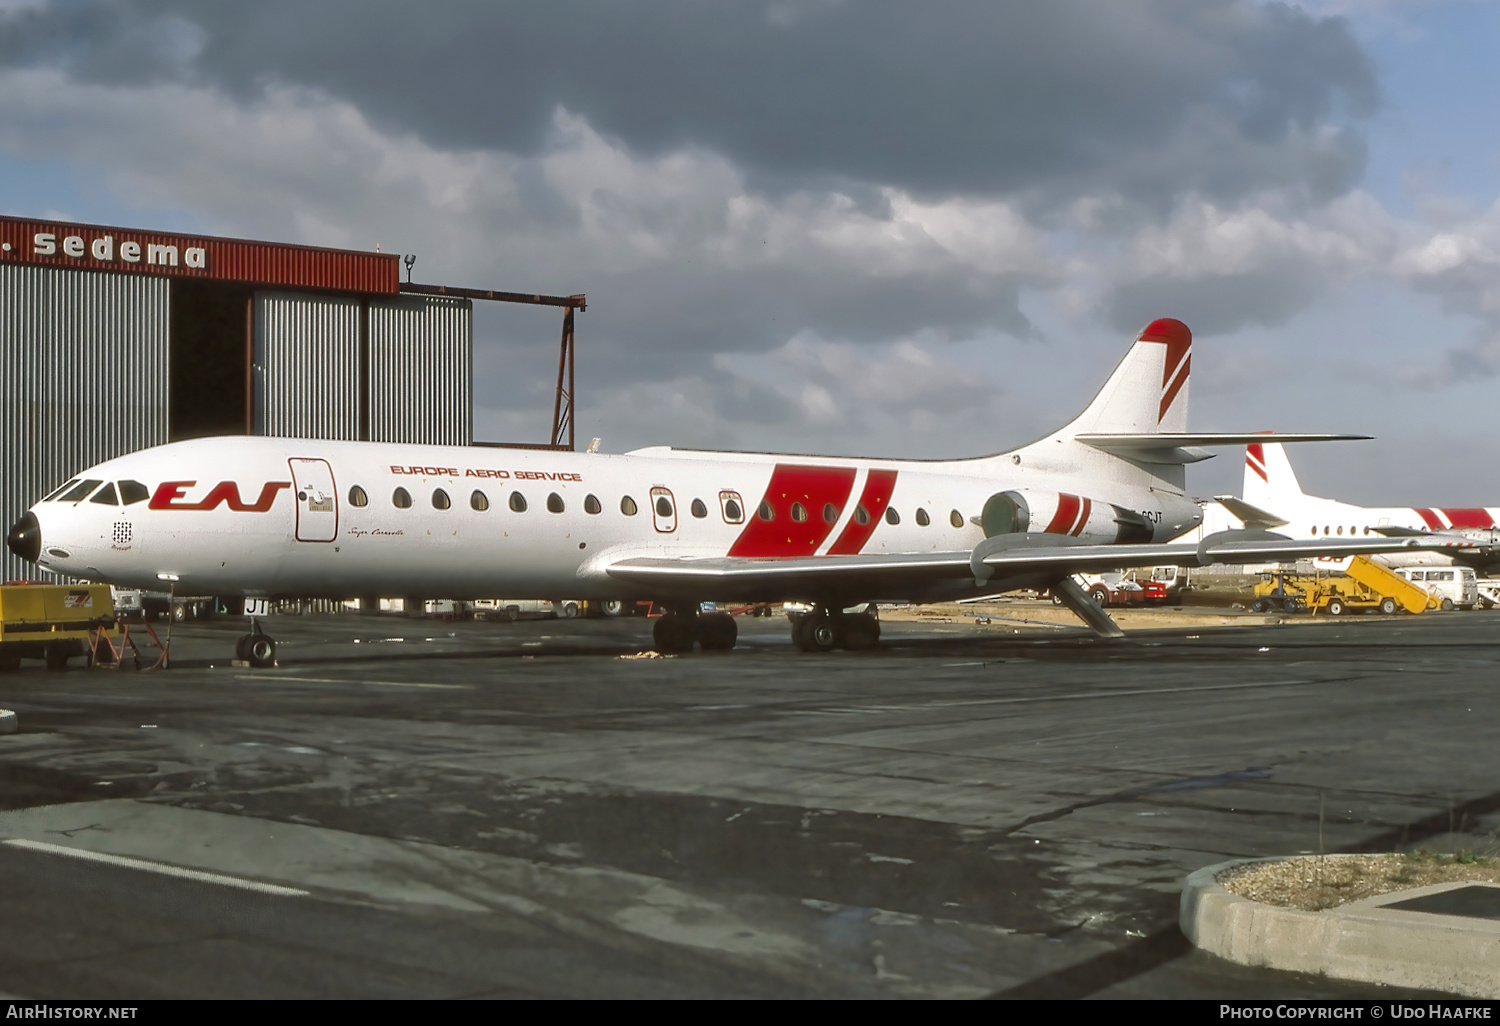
<point>422,370</point>
<point>305,372</point>
<point>83,376</point>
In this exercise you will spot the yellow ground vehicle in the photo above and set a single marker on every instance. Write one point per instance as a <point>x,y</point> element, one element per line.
<point>1365,587</point>
<point>54,622</point>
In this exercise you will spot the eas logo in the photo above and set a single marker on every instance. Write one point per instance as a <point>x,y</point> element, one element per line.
<point>169,492</point>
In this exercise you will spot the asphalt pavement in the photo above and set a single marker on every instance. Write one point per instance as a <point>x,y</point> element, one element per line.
<point>479,809</point>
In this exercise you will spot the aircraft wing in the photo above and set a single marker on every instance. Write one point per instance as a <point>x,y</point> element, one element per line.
<point>1006,561</point>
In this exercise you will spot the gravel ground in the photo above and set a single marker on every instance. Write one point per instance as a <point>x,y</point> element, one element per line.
<point>1316,882</point>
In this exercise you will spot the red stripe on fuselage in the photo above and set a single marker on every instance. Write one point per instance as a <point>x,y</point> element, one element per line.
<point>1469,517</point>
<point>1066,515</point>
<point>1084,509</point>
<point>876,496</point>
<point>814,487</point>
<point>1429,518</point>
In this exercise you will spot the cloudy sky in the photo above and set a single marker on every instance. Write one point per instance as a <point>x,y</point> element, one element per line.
<point>859,226</point>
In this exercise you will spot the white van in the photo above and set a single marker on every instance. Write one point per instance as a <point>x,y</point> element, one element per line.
<point>1451,586</point>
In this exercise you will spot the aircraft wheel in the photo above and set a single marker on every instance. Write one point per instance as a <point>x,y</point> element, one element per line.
<point>861,632</point>
<point>260,650</point>
<point>1388,606</point>
<point>1446,605</point>
<point>673,634</point>
<point>815,633</point>
<point>717,632</point>
<point>1335,607</point>
<point>57,656</point>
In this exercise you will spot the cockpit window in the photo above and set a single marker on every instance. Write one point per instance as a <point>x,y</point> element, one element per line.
<point>81,492</point>
<point>106,496</point>
<point>132,492</point>
<point>59,491</point>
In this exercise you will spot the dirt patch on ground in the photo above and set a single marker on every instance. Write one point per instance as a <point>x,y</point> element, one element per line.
<point>1316,882</point>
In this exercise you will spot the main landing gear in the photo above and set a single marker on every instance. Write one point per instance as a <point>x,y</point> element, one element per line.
<point>677,630</point>
<point>256,648</point>
<point>825,629</point>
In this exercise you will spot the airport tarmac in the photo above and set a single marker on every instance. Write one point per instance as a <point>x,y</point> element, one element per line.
<point>420,809</point>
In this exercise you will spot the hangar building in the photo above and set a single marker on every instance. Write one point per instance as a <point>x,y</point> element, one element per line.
<point>116,339</point>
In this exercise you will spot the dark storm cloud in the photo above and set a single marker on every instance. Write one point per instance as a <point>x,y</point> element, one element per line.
<point>1217,305</point>
<point>1048,100</point>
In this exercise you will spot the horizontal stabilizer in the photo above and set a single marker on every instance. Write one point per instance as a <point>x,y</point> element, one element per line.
<point>1251,516</point>
<point>1183,447</point>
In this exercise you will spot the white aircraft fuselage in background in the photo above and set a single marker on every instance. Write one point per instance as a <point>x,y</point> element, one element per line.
<point>1273,497</point>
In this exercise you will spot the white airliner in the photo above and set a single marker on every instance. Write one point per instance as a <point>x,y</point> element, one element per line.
<point>282,517</point>
<point>1274,500</point>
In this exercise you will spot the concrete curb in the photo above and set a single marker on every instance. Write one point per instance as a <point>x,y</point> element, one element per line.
<point>1358,941</point>
<point>8,722</point>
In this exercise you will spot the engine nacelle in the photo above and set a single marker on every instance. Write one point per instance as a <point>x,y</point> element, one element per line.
<point>1032,512</point>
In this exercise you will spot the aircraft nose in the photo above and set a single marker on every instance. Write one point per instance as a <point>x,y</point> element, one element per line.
<point>25,537</point>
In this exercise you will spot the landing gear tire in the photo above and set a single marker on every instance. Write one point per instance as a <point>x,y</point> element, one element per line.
<point>673,634</point>
<point>860,632</point>
<point>260,650</point>
<point>717,632</point>
<point>815,633</point>
<point>1388,606</point>
<point>57,656</point>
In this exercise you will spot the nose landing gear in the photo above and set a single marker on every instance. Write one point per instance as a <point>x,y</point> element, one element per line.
<point>256,648</point>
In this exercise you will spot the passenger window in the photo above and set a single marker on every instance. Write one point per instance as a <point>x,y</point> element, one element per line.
<point>401,498</point>
<point>699,510</point>
<point>922,518</point>
<point>106,496</point>
<point>663,506</point>
<point>132,492</point>
<point>765,512</point>
<point>1341,530</point>
<point>956,518</point>
<point>517,502</point>
<point>357,496</point>
<point>440,499</point>
<point>627,506</point>
<point>830,513</point>
<point>81,492</point>
<point>59,491</point>
<point>554,503</point>
<point>591,505</point>
<point>799,512</point>
<point>733,509</point>
<point>861,515</point>
<point>479,501</point>
<point>891,516</point>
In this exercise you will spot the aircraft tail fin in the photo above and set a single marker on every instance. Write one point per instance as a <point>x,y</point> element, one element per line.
<point>1147,394</point>
<point>1269,479</point>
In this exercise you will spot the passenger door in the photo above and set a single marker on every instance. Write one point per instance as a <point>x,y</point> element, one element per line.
<point>317,500</point>
<point>663,510</point>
